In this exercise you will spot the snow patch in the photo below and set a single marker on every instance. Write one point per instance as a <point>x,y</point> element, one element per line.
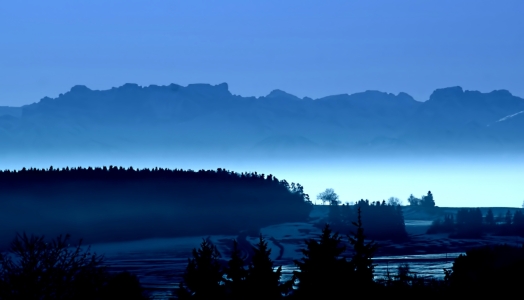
<point>510,116</point>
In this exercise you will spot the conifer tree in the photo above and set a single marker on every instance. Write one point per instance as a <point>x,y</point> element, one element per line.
<point>518,223</point>
<point>490,219</point>
<point>203,276</point>
<point>263,281</point>
<point>507,218</point>
<point>413,201</point>
<point>236,275</point>
<point>361,262</point>
<point>323,272</point>
<point>428,201</point>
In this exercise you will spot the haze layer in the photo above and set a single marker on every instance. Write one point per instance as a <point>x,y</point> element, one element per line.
<point>392,143</point>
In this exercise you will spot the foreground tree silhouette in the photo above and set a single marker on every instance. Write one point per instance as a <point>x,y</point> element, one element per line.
<point>490,219</point>
<point>236,275</point>
<point>497,269</point>
<point>123,285</point>
<point>34,268</point>
<point>323,272</point>
<point>203,276</point>
<point>362,263</point>
<point>263,281</point>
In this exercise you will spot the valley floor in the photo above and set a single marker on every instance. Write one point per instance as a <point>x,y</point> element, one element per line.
<point>160,263</point>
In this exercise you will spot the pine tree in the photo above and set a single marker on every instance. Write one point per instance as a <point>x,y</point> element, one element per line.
<point>263,281</point>
<point>236,275</point>
<point>507,218</point>
<point>323,272</point>
<point>361,262</point>
<point>518,223</point>
<point>335,216</point>
<point>428,201</point>
<point>203,276</point>
<point>413,201</point>
<point>490,219</point>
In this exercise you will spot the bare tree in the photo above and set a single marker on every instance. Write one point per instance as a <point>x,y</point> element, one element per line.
<point>394,201</point>
<point>36,269</point>
<point>328,196</point>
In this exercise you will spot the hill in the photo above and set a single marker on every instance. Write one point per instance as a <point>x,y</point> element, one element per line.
<point>117,204</point>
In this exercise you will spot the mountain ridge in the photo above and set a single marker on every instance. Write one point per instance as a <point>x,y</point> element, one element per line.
<point>209,118</point>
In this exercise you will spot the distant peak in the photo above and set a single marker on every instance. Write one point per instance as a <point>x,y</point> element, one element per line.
<point>402,94</point>
<point>369,94</point>
<point>446,93</point>
<point>223,86</point>
<point>80,88</point>
<point>280,94</point>
<point>502,93</point>
<point>221,90</point>
<point>405,96</point>
<point>130,86</point>
<point>374,92</point>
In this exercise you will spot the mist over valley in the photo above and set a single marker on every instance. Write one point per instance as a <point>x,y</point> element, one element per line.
<point>466,146</point>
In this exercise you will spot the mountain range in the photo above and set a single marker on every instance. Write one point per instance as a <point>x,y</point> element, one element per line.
<point>208,119</point>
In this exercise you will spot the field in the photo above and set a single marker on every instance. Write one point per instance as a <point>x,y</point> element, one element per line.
<point>160,263</point>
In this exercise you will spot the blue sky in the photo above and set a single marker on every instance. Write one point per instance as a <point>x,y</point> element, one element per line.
<point>307,48</point>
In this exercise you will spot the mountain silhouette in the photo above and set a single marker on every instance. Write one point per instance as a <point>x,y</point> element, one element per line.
<point>204,118</point>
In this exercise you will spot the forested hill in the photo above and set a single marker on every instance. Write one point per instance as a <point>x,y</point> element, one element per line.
<point>207,119</point>
<point>105,204</point>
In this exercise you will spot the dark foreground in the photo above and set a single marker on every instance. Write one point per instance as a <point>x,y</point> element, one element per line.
<point>290,260</point>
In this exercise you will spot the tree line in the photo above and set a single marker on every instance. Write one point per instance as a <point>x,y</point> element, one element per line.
<point>187,202</point>
<point>425,202</point>
<point>469,222</point>
<point>383,220</point>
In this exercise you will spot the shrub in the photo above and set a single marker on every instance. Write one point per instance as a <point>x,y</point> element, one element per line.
<point>33,268</point>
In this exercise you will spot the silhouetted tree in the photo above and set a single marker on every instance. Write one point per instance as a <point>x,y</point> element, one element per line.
<point>507,218</point>
<point>403,271</point>
<point>394,201</point>
<point>428,201</point>
<point>123,285</point>
<point>476,217</point>
<point>469,223</point>
<point>236,275</point>
<point>442,226</point>
<point>494,268</point>
<point>323,274</point>
<point>36,269</point>
<point>490,219</point>
<point>329,196</point>
<point>413,201</point>
<point>335,214</point>
<point>362,262</point>
<point>203,276</point>
<point>262,280</point>
<point>518,223</point>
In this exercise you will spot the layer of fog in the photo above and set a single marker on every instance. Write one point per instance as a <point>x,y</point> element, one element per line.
<point>455,182</point>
